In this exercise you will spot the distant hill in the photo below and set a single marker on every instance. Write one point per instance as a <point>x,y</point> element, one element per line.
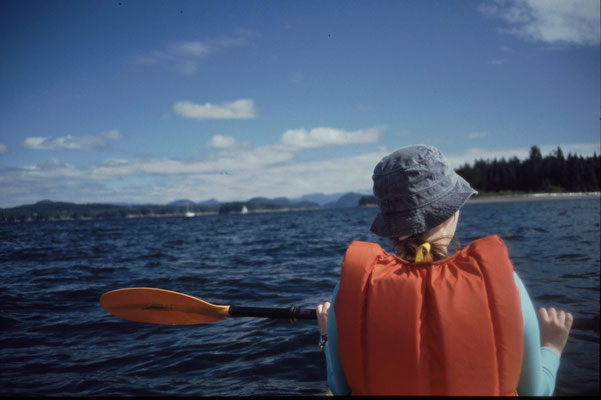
<point>123,203</point>
<point>51,211</point>
<point>283,200</point>
<point>48,210</point>
<point>263,204</point>
<point>347,200</point>
<point>263,200</point>
<point>186,202</point>
<point>319,198</point>
<point>210,202</point>
<point>181,202</point>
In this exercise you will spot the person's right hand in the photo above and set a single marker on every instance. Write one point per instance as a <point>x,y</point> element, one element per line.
<point>322,312</point>
<point>554,328</point>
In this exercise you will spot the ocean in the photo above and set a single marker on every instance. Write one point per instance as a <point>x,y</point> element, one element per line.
<point>56,340</point>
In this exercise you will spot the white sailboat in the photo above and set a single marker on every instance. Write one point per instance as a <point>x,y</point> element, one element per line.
<point>188,212</point>
<point>244,210</point>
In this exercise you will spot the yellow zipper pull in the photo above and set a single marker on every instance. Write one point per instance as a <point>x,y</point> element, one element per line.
<point>419,253</point>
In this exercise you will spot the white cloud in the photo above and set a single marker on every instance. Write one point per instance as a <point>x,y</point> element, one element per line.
<point>186,67</point>
<point>230,160</point>
<point>223,142</point>
<point>185,56</point>
<point>112,135</point>
<point>333,175</point>
<point>241,37</point>
<point>323,136</point>
<point>239,109</point>
<point>234,173</point>
<point>550,21</point>
<point>54,165</point>
<point>294,179</point>
<point>191,48</point>
<point>477,135</point>
<point>2,148</point>
<point>87,143</point>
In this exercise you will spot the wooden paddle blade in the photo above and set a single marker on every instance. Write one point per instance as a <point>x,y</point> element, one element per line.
<point>160,306</point>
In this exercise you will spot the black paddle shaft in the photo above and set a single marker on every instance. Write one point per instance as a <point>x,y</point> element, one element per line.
<point>292,314</point>
<point>586,324</point>
<point>295,313</point>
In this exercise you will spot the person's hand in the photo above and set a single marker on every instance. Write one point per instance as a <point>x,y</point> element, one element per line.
<point>322,311</point>
<point>554,328</point>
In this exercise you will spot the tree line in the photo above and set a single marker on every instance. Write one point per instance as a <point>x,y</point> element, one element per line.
<point>552,173</point>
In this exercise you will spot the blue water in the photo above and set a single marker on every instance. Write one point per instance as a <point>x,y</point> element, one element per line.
<point>56,340</point>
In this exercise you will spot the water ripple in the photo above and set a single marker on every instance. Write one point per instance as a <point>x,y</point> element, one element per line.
<point>57,341</point>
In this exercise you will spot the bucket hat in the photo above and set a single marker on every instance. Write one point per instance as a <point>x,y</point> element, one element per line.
<point>416,190</point>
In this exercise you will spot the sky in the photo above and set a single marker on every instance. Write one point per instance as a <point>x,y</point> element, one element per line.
<point>154,101</point>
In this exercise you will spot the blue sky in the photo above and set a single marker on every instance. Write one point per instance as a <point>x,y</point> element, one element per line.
<point>153,101</point>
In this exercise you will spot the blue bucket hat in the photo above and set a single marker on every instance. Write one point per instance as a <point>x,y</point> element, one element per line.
<point>416,190</point>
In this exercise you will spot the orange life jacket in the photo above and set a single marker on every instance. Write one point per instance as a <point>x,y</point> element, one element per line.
<point>450,327</point>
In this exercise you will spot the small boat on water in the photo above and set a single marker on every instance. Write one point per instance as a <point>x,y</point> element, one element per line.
<point>189,213</point>
<point>244,210</point>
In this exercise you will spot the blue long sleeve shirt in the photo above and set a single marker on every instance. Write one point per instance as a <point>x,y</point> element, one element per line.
<point>539,364</point>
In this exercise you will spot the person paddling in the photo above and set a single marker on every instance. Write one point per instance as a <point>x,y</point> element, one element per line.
<point>420,322</point>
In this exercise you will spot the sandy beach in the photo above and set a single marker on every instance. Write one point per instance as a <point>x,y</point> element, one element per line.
<point>534,197</point>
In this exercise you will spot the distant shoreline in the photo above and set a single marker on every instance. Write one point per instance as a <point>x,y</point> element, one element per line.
<point>485,199</point>
<point>527,197</point>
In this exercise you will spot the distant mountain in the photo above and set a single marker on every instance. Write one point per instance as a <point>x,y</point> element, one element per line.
<point>319,198</point>
<point>281,202</point>
<point>306,204</point>
<point>210,202</point>
<point>263,203</point>
<point>347,200</point>
<point>47,210</point>
<point>60,210</point>
<point>181,202</point>
<point>259,200</point>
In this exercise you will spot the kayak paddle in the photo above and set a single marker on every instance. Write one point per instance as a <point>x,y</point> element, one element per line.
<point>160,306</point>
<point>587,324</point>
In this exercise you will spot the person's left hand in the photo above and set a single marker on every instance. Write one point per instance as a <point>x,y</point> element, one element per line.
<point>322,311</point>
<point>555,327</point>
